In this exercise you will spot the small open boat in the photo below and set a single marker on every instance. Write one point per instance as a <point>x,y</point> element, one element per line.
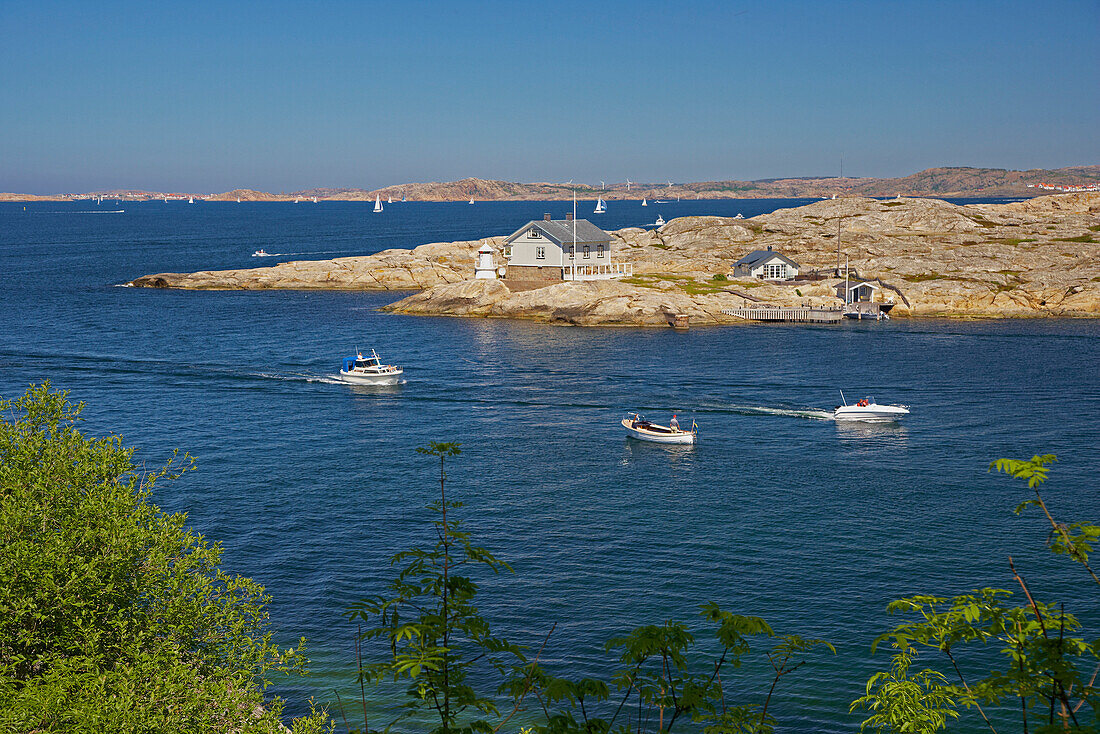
<point>869,411</point>
<point>369,370</point>
<point>638,427</point>
<point>260,253</point>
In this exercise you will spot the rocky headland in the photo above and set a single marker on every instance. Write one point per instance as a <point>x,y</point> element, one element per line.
<point>1026,259</point>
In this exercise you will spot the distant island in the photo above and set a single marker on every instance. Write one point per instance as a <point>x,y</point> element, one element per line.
<point>932,182</point>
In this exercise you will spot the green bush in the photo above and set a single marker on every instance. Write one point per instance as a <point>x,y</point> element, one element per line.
<point>114,617</point>
<point>720,277</point>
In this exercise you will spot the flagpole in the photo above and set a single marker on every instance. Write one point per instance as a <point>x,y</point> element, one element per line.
<point>574,255</point>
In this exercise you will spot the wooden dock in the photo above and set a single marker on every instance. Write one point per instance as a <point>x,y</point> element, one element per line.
<point>793,314</point>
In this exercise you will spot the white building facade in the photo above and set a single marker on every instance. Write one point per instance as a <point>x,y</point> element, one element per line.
<point>561,249</point>
<point>766,265</point>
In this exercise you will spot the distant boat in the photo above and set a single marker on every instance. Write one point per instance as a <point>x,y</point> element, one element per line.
<point>659,201</point>
<point>870,411</point>
<point>377,204</point>
<point>261,253</point>
<point>600,206</point>
<point>314,199</point>
<point>166,200</point>
<point>297,199</point>
<point>402,197</point>
<point>238,200</point>
<point>471,200</point>
<point>369,370</point>
<point>390,200</point>
<point>191,200</point>
<point>644,202</point>
<point>638,427</point>
<point>739,216</point>
<point>660,221</point>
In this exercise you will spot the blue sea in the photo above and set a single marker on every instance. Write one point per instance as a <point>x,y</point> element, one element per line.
<point>310,485</point>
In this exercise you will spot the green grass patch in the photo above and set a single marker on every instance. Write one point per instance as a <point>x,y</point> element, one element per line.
<point>1095,228</point>
<point>660,247</point>
<point>978,219</point>
<point>893,203</point>
<point>1082,238</point>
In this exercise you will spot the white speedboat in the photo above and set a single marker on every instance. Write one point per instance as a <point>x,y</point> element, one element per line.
<point>260,253</point>
<point>369,370</point>
<point>660,221</point>
<point>638,427</point>
<point>868,410</point>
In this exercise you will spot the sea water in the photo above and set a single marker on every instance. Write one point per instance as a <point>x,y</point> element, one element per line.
<point>310,485</point>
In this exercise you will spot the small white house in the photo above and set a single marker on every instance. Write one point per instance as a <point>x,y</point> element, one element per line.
<point>766,265</point>
<point>561,249</point>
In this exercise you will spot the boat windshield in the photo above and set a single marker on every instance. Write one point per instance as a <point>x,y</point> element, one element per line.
<point>368,362</point>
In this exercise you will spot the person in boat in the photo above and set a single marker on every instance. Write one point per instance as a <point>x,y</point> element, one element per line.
<point>863,403</point>
<point>674,424</point>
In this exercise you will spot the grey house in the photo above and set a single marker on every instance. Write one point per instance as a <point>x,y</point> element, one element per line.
<point>766,265</point>
<point>561,249</point>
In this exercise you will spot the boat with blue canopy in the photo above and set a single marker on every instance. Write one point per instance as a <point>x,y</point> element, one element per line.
<point>369,370</point>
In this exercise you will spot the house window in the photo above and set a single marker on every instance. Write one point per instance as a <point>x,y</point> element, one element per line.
<point>599,250</point>
<point>508,251</point>
<point>775,272</point>
<point>534,234</point>
<point>569,251</point>
<point>587,251</point>
<point>540,253</point>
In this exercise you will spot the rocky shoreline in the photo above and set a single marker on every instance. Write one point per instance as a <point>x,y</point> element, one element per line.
<point>1025,259</point>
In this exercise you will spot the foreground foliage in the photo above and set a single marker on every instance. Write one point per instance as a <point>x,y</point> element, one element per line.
<point>1046,668</point>
<point>114,617</point>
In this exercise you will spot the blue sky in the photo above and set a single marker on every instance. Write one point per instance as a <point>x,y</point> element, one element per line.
<point>283,96</point>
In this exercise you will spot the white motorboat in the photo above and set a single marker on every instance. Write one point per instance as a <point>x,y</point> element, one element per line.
<point>739,216</point>
<point>638,427</point>
<point>369,370</point>
<point>261,253</point>
<point>869,411</point>
<point>660,221</point>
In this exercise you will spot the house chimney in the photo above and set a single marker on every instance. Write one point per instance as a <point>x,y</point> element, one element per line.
<point>546,217</point>
<point>569,217</point>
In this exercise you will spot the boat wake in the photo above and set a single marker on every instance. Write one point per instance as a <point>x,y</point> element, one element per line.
<point>295,254</point>
<point>89,211</point>
<point>809,414</point>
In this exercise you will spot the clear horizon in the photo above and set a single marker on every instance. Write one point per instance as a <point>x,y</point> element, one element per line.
<point>285,97</point>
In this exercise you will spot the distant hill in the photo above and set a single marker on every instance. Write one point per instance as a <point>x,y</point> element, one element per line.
<point>932,182</point>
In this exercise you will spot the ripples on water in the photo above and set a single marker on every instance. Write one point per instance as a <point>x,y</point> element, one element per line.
<point>779,511</point>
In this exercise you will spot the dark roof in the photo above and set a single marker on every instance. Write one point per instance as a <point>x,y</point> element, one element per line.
<point>561,231</point>
<point>755,257</point>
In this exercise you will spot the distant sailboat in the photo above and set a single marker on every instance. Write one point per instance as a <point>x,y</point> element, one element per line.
<point>390,200</point>
<point>644,202</point>
<point>166,200</point>
<point>402,197</point>
<point>191,200</point>
<point>314,199</point>
<point>297,199</point>
<point>471,200</point>
<point>600,206</point>
<point>377,204</point>
<point>238,200</point>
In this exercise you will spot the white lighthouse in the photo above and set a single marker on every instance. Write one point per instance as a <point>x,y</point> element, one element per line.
<point>485,269</point>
